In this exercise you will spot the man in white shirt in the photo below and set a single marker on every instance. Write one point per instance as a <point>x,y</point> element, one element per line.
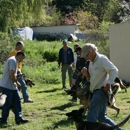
<point>101,76</point>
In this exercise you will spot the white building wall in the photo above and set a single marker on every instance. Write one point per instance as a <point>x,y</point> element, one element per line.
<point>119,37</point>
<point>57,29</point>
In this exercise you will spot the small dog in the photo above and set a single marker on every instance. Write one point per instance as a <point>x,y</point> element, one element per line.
<point>76,115</point>
<point>29,82</point>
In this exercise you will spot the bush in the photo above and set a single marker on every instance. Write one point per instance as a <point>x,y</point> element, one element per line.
<point>49,73</point>
<point>7,44</point>
<point>50,56</point>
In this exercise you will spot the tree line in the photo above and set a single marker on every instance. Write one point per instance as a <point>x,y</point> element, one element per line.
<point>90,13</point>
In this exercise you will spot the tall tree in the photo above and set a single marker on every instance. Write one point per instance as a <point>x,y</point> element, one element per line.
<point>15,13</point>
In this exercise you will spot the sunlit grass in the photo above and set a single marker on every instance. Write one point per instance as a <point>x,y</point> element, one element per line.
<point>50,105</point>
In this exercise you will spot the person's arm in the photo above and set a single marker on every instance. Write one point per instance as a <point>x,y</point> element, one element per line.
<point>84,71</point>
<point>72,55</point>
<point>59,58</point>
<point>14,78</point>
<point>112,71</point>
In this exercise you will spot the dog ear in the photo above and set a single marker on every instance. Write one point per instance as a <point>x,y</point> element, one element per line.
<point>81,110</point>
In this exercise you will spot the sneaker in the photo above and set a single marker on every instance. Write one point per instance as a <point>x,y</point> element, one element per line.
<point>21,121</point>
<point>73,100</point>
<point>28,101</point>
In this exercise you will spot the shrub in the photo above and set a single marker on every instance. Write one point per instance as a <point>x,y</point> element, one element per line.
<point>50,56</point>
<point>7,43</point>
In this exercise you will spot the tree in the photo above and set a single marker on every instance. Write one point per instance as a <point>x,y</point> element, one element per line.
<point>15,13</point>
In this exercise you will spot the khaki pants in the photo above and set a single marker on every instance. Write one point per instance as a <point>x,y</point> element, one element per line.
<point>64,69</point>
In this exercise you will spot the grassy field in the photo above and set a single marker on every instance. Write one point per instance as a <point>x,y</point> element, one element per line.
<point>50,105</point>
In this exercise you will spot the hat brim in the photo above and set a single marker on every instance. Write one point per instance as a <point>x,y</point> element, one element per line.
<point>84,54</point>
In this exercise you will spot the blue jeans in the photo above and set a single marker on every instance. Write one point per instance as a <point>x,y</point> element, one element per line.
<point>23,87</point>
<point>13,98</point>
<point>97,109</point>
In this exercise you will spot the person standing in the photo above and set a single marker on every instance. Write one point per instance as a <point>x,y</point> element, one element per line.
<point>102,75</point>
<point>9,86</point>
<point>65,59</point>
<point>19,46</point>
<point>73,65</point>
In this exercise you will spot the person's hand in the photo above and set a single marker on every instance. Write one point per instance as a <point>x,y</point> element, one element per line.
<point>71,66</point>
<point>19,76</point>
<point>18,85</point>
<point>84,71</point>
<point>106,88</point>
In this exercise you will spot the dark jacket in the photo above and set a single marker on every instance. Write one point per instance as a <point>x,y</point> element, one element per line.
<point>80,63</point>
<point>70,56</point>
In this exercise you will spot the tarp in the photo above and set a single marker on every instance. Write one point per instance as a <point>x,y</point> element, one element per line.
<point>26,33</point>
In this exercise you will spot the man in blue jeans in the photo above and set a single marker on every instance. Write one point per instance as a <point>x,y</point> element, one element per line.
<point>9,86</point>
<point>101,75</point>
<point>19,46</point>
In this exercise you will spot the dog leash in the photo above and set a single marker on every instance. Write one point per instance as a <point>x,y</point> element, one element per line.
<point>107,96</point>
<point>108,100</point>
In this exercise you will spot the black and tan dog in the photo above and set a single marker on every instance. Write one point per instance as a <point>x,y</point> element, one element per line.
<point>118,84</point>
<point>29,82</point>
<point>76,115</point>
<point>85,97</point>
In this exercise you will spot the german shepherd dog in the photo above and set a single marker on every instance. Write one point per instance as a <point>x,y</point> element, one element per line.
<point>119,84</point>
<point>76,115</point>
<point>85,97</point>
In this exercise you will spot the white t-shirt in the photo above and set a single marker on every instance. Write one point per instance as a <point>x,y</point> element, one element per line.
<point>6,81</point>
<point>75,60</point>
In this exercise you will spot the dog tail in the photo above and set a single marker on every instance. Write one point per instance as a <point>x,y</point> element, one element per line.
<point>121,123</point>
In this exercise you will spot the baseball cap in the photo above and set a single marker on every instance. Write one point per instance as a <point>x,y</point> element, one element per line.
<point>78,48</point>
<point>86,49</point>
<point>65,41</point>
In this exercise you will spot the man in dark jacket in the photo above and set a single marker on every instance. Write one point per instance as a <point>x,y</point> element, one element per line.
<point>66,58</point>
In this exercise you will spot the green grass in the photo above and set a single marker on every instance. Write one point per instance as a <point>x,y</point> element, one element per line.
<point>51,102</point>
<point>50,105</point>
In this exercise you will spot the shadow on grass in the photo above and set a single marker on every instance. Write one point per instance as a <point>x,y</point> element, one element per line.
<point>48,91</point>
<point>61,108</point>
<point>62,123</point>
<point>2,126</point>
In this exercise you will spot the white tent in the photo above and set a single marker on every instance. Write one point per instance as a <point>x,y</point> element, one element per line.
<point>26,33</point>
